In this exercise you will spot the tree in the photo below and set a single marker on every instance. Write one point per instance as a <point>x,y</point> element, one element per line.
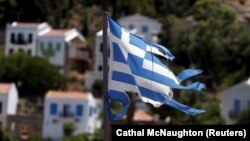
<point>98,135</point>
<point>55,11</point>
<point>81,137</point>
<point>179,8</point>
<point>4,135</point>
<point>244,117</point>
<point>68,129</point>
<point>98,88</point>
<point>38,138</point>
<point>212,40</point>
<point>130,7</point>
<point>32,75</point>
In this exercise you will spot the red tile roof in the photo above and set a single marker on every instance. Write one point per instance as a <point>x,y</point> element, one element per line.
<point>4,88</point>
<point>26,24</point>
<point>142,115</point>
<point>67,95</point>
<point>56,32</point>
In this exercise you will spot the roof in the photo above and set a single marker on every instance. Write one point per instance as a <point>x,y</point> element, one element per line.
<point>243,87</point>
<point>142,115</point>
<point>25,24</point>
<point>69,34</point>
<point>5,87</point>
<point>67,95</point>
<point>99,33</point>
<point>139,17</point>
<point>57,32</point>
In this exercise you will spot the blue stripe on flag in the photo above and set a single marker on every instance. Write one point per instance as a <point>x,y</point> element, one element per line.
<point>136,41</point>
<point>118,55</point>
<point>153,95</point>
<point>184,108</point>
<point>121,97</point>
<point>123,77</point>
<point>115,29</point>
<point>185,74</point>
<point>165,50</point>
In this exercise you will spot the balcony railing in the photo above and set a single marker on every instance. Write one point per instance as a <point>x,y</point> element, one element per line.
<point>66,115</point>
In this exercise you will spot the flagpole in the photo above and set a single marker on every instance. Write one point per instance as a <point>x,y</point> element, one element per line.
<point>105,76</point>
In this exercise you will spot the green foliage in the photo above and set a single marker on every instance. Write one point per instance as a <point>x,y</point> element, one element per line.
<point>32,75</point>
<point>98,135</point>
<point>244,117</point>
<point>131,6</point>
<point>5,136</point>
<point>98,88</point>
<point>76,138</point>
<point>212,40</point>
<point>38,138</point>
<point>55,11</point>
<point>49,51</point>
<point>68,128</point>
<point>179,8</point>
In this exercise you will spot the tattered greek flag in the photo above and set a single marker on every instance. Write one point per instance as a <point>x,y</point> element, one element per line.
<point>134,66</point>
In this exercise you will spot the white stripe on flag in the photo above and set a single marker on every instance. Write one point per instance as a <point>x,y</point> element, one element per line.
<point>154,86</point>
<point>155,51</point>
<point>121,67</point>
<point>159,69</point>
<point>121,87</point>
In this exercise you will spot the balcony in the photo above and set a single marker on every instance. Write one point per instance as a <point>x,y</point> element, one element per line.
<point>66,115</point>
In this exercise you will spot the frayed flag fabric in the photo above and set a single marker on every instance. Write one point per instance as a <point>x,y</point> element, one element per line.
<point>135,66</point>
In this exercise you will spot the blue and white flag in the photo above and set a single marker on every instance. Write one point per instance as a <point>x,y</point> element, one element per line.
<point>134,66</point>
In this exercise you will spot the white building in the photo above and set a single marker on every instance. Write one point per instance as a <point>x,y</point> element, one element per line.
<point>234,100</point>
<point>22,37</point>
<point>8,101</point>
<point>60,45</point>
<point>97,73</point>
<point>39,39</point>
<point>146,26</point>
<point>63,107</point>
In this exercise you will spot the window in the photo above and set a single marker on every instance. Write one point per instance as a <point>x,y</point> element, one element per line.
<point>1,107</point>
<point>58,46</point>
<point>12,38</point>
<point>11,51</point>
<point>53,109</point>
<point>236,107</point>
<point>79,110</point>
<point>131,26</point>
<point>144,29</point>
<point>100,67</point>
<point>66,111</point>
<point>101,47</point>
<point>50,45</point>
<point>30,38</point>
<point>90,111</point>
<point>20,39</point>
